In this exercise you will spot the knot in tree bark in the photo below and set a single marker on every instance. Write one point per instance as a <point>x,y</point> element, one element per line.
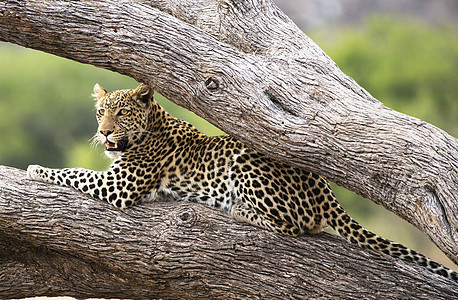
<point>185,217</point>
<point>212,83</point>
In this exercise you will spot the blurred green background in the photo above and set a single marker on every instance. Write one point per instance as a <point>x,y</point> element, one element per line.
<point>48,114</point>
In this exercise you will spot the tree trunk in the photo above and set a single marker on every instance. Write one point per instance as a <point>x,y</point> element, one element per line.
<point>57,241</point>
<point>245,67</point>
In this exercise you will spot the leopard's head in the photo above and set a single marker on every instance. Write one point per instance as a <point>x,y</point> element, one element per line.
<point>122,116</point>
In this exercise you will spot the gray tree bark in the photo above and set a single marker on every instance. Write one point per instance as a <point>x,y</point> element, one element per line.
<point>245,67</point>
<point>55,241</point>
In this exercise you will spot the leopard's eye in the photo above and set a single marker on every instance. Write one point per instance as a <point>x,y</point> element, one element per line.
<point>101,111</point>
<point>124,112</point>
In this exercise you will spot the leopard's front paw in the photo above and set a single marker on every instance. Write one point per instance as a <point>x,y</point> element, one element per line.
<point>35,172</point>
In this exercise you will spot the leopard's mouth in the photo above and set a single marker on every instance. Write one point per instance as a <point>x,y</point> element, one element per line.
<point>116,146</point>
<point>109,145</point>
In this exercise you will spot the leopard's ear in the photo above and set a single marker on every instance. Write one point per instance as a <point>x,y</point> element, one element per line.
<point>143,94</point>
<point>99,92</point>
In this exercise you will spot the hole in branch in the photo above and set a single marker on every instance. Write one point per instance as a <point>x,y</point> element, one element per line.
<point>212,83</point>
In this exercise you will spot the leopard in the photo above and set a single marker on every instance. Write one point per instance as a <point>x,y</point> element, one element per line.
<point>156,154</point>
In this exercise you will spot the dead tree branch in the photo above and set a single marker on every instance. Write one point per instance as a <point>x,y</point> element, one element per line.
<point>245,67</point>
<point>55,241</point>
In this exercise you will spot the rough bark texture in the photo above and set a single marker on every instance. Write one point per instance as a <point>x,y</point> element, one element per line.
<point>244,66</point>
<point>56,241</point>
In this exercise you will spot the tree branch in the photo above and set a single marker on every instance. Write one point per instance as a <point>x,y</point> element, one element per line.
<point>263,81</point>
<point>61,242</point>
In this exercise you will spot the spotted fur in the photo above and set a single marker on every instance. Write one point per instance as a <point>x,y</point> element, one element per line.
<point>155,152</point>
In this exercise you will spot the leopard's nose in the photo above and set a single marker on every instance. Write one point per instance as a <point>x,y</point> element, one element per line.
<point>106,132</point>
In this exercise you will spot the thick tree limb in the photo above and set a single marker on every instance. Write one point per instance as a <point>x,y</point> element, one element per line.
<point>262,80</point>
<point>56,241</point>
<point>244,66</point>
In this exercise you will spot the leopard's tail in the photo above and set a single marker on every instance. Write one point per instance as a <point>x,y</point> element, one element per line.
<point>348,228</point>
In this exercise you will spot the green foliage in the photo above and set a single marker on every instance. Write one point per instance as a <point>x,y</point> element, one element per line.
<point>48,112</point>
<point>45,111</point>
<point>407,65</point>
<point>410,67</point>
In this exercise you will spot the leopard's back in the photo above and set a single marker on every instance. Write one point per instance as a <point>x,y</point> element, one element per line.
<point>157,153</point>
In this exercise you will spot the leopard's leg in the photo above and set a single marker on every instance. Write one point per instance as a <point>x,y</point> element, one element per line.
<point>102,185</point>
<point>243,212</point>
